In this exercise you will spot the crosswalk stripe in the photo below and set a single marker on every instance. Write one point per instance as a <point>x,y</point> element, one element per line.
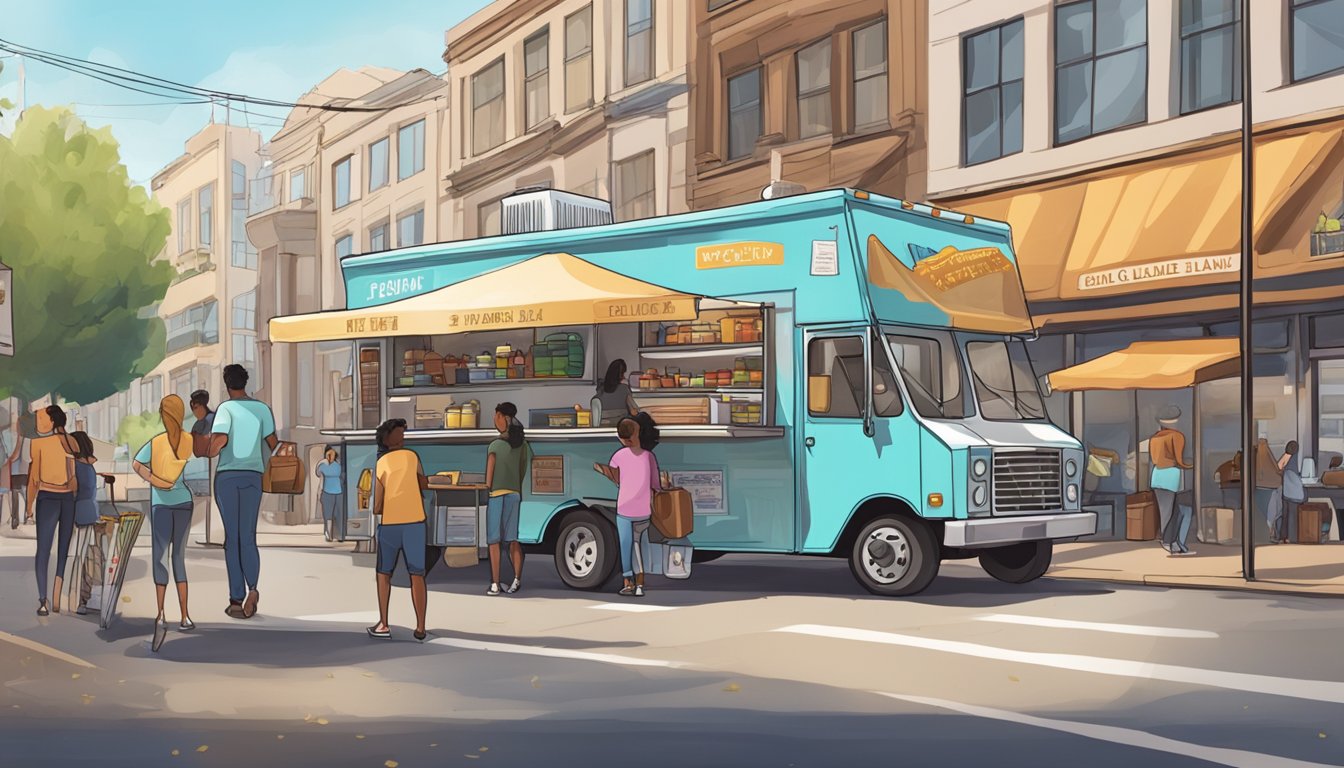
<point>1093,626</point>
<point>554,653</point>
<point>630,607</point>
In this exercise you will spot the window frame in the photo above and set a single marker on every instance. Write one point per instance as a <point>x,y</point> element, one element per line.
<point>622,203</point>
<point>860,398</point>
<point>543,36</point>
<point>349,239</point>
<point>854,78</point>
<point>382,228</point>
<point>407,215</point>
<point>573,57</point>
<point>300,173</point>
<point>184,225</point>
<point>630,33</point>
<point>1093,57</point>
<point>386,169</point>
<point>827,90</point>
<point>417,149</point>
<point>998,85</point>
<point>238,219</point>
<point>348,163</point>
<point>246,303</point>
<point>1292,7</point>
<point>477,148</point>
<point>205,216</point>
<point>759,104</point>
<point>1182,39</point>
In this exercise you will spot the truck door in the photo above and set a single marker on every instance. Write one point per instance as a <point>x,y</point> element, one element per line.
<point>858,439</point>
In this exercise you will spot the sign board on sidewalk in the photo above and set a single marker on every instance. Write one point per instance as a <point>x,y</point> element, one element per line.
<point>6,311</point>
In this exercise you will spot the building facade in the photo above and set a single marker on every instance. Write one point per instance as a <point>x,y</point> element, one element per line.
<point>585,96</point>
<point>818,95</point>
<point>355,169</point>
<point>1108,135</point>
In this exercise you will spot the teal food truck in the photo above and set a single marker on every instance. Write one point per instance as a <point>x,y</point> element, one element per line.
<point>835,374</point>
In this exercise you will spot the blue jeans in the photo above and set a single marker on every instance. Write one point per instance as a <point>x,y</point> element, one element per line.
<point>238,494</point>
<point>169,526</point>
<point>630,530</point>
<point>501,518</point>
<point>54,511</point>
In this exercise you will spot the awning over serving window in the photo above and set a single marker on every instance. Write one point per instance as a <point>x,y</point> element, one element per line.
<point>550,290</point>
<point>1174,364</point>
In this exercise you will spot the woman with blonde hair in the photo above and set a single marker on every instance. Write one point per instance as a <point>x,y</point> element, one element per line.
<point>161,462</point>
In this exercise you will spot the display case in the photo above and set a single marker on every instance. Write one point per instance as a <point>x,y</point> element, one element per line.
<point>714,371</point>
<point>493,359</point>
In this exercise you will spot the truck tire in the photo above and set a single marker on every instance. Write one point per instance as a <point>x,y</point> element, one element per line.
<point>585,550</point>
<point>1018,563</point>
<point>895,556</point>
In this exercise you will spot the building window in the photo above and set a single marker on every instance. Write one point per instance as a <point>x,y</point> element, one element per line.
<point>410,150</point>
<point>184,241</point>
<point>870,75</point>
<point>991,74</point>
<point>298,188</point>
<point>638,41</point>
<point>205,201</point>
<point>487,108</point>
<point>1317,38</point>
<point>488,218</point>
<point>744,113</point>
<point>579,59</point>
<point>411,228</point>
<point>244,256</point>
<point>634,183</point>
<point>536,73</point>
<point>1101,67</point>
<point>193,327</point>
<point>151,392</point>
<point>1210,54</point>
<point>1329,410</point>
<point>814,89</point>
<point>378,238</point>
<point>345,246</point>
<point>341,172</point>
<point>378,164</point>
<point>245,351</point>
<point>245,311</point>
<point>180,383</point>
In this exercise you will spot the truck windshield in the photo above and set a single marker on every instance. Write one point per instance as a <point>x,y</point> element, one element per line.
<point>931,370</point>
<point>1005,385</point>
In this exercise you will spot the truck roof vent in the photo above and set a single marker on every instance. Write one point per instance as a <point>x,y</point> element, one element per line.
<point>549,209</point>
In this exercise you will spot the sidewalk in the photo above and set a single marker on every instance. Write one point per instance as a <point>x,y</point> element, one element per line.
<point>1307,569</point>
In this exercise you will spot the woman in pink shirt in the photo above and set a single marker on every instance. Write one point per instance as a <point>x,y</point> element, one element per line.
<point>635,471</point>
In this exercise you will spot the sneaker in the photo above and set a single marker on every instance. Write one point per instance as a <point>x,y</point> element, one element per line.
<point>628,590</point>
<point>1184,552</point>
<point>82,610</point>
<point>42,609</point>
<point>186,626</point>
<point>639,590</point>
<point>514,587</point>
<point>234,611</point>
<point>493,590</point>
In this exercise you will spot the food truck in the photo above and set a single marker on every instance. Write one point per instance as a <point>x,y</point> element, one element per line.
<point>835,374</point>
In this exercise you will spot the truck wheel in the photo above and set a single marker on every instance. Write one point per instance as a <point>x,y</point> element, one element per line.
<point>895,556</point>
<point>1018,563</point>
<point>585,552</point>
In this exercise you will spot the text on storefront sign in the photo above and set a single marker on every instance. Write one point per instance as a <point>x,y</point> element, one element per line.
<point>371,324</point>
<point>951,267</point>
<point>739,255</point>
<point>396,286</point>
<point>1161,270</point>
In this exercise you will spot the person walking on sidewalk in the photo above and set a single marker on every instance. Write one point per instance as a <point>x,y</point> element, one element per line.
<point>1166,448</point>
<point>329,470</point>
<point>51,494</point>
<point>634,469</point>
<point>205,421</point>
<point>505,468</point>
<point>241,428</point>
<point>13,473</point>
<point>399,503</point>
<point>162,462</point>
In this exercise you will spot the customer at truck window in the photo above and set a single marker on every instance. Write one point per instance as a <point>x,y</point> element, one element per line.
<point>329,470</point>
<point>614,396</point>
<point>51,494</point>
<point>399,502</point>
<point>506,464</point>
<point>634,469</point>
<point>1293,492</point>
<point>1166,448</point>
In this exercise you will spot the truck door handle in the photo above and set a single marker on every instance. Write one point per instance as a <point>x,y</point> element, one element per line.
<point>809,442</point>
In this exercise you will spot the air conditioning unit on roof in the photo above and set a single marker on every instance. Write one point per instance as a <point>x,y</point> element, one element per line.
<point>550,209</point>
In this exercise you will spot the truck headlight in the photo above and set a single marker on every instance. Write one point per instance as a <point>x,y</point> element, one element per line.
<point>978,496</point>
<point>1071,468</point>
<point>1071,493</point>
<point>978,468</point>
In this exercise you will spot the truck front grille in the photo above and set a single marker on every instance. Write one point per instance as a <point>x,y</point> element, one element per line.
<point>1026,480</point>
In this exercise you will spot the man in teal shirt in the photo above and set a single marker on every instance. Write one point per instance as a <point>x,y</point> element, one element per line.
<point>242,426</point>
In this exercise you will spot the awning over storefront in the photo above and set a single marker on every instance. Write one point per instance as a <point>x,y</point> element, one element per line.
<point>550,290</point>
<point>977,289</point>
<point>1174,364</point>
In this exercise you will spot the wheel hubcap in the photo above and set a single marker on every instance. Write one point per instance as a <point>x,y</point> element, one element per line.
<point>886,555</point>
<point>581,552</point>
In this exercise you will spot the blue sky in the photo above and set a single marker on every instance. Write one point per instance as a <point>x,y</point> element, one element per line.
<point>275,49</point>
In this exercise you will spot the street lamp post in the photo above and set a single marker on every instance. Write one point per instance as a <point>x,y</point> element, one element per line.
<point>1248,433</point>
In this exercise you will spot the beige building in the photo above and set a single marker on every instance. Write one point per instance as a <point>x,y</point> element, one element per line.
<point>354,170</point>
<point>815,94</point>
<point>583,96</point>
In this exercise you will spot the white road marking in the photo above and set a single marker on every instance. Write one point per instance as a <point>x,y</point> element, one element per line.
<point>1092,626</point>
<point>555,653</point>
<point>358,617</point>
<point>1311,690</point>
<point>630,607</point>
<point>1235,758</point>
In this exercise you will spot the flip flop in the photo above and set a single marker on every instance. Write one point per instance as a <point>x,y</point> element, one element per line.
<point>420,637</point>
<point>377,634</point>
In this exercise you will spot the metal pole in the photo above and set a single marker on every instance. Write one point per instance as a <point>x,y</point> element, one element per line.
<point>1248,433</point>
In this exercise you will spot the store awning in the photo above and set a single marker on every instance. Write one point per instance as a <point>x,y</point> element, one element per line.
<point>1174,364</point>
<point>977,289</point>
<point>553,289</point>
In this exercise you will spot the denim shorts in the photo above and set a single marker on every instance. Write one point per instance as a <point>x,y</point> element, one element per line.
<point>405,538</point>
<point>501,518</point>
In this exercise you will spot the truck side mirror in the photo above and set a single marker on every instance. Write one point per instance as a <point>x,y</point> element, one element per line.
<point>819,394</point>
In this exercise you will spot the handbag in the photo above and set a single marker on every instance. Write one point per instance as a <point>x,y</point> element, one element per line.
<point>284,473</point>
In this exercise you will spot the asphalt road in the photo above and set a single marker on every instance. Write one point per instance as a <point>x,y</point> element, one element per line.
<point>767,661</point>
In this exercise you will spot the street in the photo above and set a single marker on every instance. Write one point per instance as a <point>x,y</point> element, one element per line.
<point>754,661</point>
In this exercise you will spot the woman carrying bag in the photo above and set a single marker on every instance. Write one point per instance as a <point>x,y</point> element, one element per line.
<point>162,462</point>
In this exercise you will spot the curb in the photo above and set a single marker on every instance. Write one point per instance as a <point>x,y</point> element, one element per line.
<point>1221,583</point>
<point>45,650</point>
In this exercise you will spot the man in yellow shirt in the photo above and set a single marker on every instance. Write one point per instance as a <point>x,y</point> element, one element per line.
<point>399,503</point>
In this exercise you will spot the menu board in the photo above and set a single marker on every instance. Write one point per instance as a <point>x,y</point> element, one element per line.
<point>706,489</point>
<point>548,475</point>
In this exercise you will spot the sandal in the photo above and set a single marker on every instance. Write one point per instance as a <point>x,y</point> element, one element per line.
<point>379,634</point>
<point>42,609</point>
<point>186,626</point>
<point>420,636</point>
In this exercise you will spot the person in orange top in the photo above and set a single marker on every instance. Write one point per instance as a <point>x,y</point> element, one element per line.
<point>51,493</point>
<point>399,503</point>
<point>1166,448</point>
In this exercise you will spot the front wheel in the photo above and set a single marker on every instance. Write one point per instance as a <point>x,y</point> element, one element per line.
<point>585,552</point>
<point>1018,563</point>
<point>895,556</point>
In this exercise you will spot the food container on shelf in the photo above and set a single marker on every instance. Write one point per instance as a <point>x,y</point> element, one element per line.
<point>452,417</point>
<point>405,381</point>
<point>728,330</point>
<point>583,417</point>
<point>471,414</point>
<point>698,382</point>
<point>461,374</point>
<point>482,374</point>
<point>485,359</point>
<point>683,380</point>
<point>757,378</point>
<point>562,420</point>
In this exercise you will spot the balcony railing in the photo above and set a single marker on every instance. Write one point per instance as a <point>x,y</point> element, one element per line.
<point>263,194</point>
<point>1327,244</point>
<point>194,262</point>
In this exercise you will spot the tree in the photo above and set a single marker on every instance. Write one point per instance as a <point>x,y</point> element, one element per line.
<point>134,431</point>
<point>82,242</point>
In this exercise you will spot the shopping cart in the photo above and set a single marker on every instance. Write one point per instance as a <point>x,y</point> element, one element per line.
<point>85,569</point>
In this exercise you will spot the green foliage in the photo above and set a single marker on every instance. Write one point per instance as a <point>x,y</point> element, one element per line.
<point>134,431</point>
<point>81,240</point>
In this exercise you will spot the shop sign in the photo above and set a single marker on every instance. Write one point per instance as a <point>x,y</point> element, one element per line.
<point>6,311</point>
<point>396,287</point>
<point>950,267</point>
<point>648,309</point>
<point>372,324</point>
<point>706,489</point>
<point>739,255</point>
<point>548,475</point>
<point>1171,269</point>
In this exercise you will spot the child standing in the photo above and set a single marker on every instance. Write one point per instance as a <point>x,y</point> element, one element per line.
<point>634,469</point>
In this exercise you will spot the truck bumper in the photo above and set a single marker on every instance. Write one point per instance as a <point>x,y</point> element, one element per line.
<point>1009,530</point>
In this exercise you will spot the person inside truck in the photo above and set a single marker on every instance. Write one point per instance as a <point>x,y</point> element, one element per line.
<point>614,399</point>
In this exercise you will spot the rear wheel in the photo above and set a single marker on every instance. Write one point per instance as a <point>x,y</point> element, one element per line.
<point>585,551</point>
<point>894,556</point>
<point>1018,563</point>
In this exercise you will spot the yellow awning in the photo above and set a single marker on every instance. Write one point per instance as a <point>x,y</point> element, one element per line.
<point>978,290</point>
<point>1174,364</point>
<point>550,290</point>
